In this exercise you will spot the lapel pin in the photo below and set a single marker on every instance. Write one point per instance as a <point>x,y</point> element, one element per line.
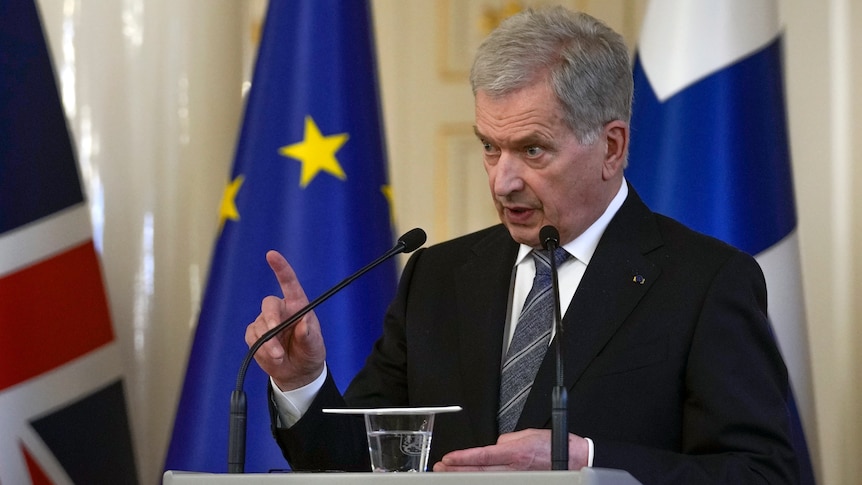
<point>639,279</point>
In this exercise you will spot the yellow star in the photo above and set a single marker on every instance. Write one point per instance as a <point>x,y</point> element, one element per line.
<point>387,192</point>
<point>316,152</point>
<point>227,208</point>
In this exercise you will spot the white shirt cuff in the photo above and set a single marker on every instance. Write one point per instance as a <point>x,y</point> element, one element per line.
<point>591,453</point>
<point>291,405</point>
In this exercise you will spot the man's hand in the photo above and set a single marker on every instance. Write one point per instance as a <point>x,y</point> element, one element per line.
<point>294,357</point>
<point>529,449</point>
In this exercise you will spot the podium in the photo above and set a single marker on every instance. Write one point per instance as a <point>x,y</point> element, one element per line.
<point>587,476</point>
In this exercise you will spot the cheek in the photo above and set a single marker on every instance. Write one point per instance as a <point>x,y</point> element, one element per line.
<point>560,197</point>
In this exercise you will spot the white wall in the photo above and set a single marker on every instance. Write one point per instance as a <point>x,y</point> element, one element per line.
<point>823,68</point>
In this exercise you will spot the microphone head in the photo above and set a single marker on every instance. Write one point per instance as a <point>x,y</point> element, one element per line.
<point>412,239</point>
<point>548,235</point>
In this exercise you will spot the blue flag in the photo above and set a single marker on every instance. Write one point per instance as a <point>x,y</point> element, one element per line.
<point>309,180</point>
<point>63,415</point>
<point>709,148</point>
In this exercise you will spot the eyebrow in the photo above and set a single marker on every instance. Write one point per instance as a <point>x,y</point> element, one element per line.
<point>477,133</point>
<point>529,140</point>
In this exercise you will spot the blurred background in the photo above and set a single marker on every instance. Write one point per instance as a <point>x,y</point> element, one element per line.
<point>153,90</point>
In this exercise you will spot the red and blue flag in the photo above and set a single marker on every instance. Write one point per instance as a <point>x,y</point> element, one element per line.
<point>63,415</point>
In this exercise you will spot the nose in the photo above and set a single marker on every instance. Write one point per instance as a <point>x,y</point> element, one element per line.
<point>507,175</point>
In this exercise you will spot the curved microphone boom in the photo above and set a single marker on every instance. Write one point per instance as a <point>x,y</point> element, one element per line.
<point>409,242</point>
<point>550,239</point>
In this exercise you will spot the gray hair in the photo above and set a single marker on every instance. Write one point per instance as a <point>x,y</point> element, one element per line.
<point>585,61</point>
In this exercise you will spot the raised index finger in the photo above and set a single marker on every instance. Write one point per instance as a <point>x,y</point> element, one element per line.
<point>294,295</point>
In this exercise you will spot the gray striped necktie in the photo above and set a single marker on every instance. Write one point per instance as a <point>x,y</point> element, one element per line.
<point>529,343</point>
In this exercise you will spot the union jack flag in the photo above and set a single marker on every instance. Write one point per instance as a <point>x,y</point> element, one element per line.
<point>63,414</point>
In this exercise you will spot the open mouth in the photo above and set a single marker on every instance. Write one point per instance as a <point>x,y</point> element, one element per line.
<point>519,214</point>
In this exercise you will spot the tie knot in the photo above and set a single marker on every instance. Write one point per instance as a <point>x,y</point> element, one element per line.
<point>543,264</point>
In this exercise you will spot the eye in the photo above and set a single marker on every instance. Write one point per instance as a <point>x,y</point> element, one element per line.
<point>534,151</point>
<point>489,149</point>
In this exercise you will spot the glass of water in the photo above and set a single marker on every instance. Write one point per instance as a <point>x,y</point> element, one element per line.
<point>399,439</point>
<point>399,442</point>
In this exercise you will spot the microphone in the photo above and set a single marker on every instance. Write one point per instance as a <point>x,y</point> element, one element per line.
<point>550,239</point>
<point>407,243</point>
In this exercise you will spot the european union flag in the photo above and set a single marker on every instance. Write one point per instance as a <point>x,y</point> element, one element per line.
<point>709,148</point>
<point>309,180</point>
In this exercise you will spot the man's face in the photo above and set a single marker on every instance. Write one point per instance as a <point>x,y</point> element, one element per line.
<point>538,172</point>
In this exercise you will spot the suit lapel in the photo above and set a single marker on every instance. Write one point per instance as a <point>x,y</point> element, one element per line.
<point>616,279</point>
<point>483,286</point>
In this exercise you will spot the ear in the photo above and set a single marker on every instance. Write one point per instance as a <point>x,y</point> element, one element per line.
<point>616,137</point>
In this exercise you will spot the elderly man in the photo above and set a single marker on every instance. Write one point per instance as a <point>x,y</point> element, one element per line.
<point>671,371</point>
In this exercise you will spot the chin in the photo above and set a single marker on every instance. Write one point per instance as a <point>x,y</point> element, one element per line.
<point>524,234</point>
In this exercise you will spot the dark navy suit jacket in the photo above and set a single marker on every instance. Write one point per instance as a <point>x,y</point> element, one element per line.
<point>671,368</point>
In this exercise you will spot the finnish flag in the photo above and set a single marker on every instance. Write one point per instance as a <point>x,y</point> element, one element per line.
<point>710,149</point>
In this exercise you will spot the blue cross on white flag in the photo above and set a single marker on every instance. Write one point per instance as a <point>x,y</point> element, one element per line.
<point>709,148</point>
